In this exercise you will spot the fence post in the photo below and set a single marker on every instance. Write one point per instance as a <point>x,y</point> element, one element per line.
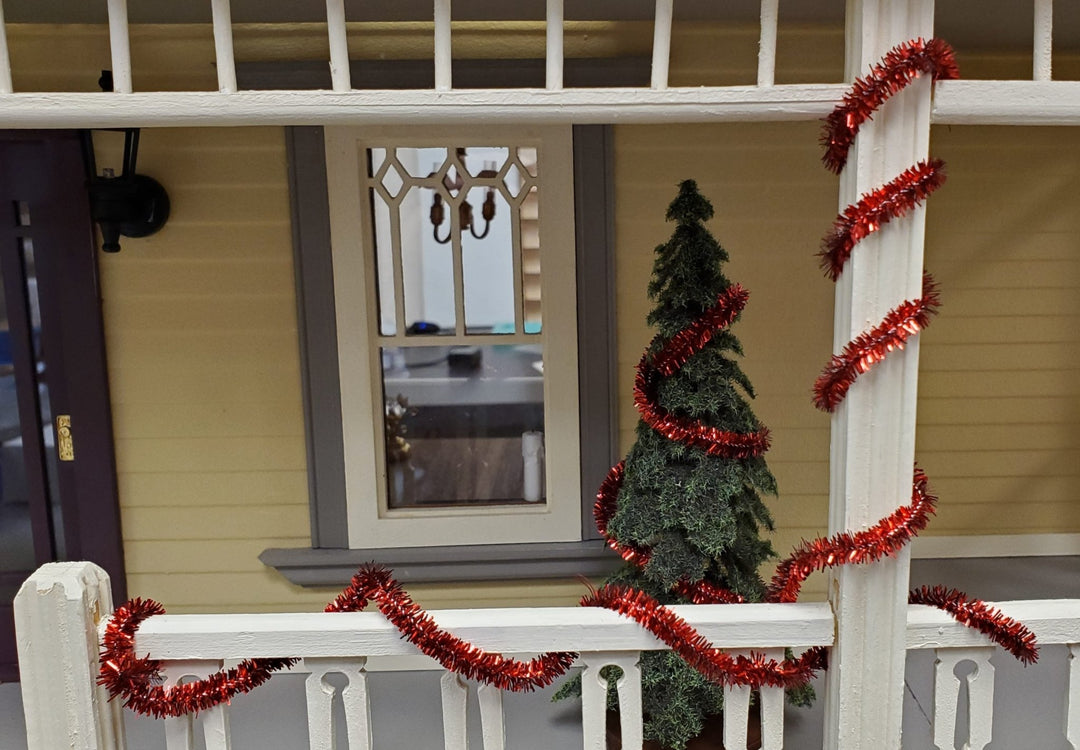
<point>57,612</point>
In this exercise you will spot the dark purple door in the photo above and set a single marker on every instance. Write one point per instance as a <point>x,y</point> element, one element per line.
<point>58,497</point>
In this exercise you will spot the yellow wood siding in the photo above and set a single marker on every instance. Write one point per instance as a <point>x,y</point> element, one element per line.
<point>202,333</point>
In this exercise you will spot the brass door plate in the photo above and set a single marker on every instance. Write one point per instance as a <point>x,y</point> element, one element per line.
<point>64,445</point>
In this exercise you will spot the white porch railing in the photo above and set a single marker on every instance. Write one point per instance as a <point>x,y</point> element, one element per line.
<point>61,610</point>
<point>1040,101</point>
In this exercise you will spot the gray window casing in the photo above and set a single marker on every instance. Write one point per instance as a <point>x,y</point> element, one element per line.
<point>329,561</point>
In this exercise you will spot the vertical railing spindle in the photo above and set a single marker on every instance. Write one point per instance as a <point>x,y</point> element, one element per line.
<point>736,715</point>
<point>661,52</point>
<point>340,76</point>
<point>492,717</point>
<point>455,696</point>
<point>443,54</point>
<point>5,59</point>
<point>357,705</point>
<point>1072,698</point>
<point>554,44</point>
<point>1044,39</point>
<point>766,71</point>
<point>771,709</point>
<point>216,732</point>
<point>594,699</point>
<point>223,46</point>
<point>120,46</point>
<point>980,697</point>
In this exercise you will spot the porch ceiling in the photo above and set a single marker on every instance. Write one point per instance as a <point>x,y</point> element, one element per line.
<point>1001,23</point>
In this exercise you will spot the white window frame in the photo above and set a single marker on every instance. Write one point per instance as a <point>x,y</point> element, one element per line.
<point>371,523</point>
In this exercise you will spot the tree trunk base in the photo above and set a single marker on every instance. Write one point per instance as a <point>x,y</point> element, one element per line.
<point>711,737</point>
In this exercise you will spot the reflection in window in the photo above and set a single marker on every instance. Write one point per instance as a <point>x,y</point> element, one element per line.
<point>464,425</point>
<point>456,237</point>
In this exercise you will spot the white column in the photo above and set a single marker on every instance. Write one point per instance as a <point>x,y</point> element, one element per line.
<point>57,613</point>
<point>873,431</point>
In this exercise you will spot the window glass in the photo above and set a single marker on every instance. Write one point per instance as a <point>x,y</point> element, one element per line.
<point>463,425</point>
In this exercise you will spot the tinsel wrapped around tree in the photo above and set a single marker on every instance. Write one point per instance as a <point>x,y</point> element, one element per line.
<point>698,511</point>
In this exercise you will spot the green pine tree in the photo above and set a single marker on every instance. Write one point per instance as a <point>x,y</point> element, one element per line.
<point>700,514</point>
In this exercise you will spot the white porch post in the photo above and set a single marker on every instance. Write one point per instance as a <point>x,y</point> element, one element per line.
<point>57,612</point>
<point>873,431</point>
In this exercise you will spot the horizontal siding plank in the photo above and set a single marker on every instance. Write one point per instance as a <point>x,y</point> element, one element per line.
<point>212,454</point>
<point>996,411</point>
<point>206,278</point>
<point>955,329</point>
<point>213,522</point>
<point>209,419</point>
<point>166,556</point>
<point>266,382</point>
<point>181,489</point>
<point>265,312</point>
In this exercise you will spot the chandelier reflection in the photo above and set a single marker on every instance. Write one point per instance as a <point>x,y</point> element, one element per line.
<point>454,186</point>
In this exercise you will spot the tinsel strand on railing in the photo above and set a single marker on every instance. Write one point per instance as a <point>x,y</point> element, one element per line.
<point>138,680</point>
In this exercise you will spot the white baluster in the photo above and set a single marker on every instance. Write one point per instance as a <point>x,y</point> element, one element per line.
<point>771,708</point>
<point>5,60</point>
<point>1072,698</point>
<point>492,718</point>
<point>455,694</point>
<point>339,45</point>
<point>180,730</point>
<point>120,46</point>
<point>215,726</point>
<point>443,53</point>
<point>766,72</point>
<point>357,705</point>
<point>320,706</point>
<point>554,75</point>
<point>980,701</point>
<point>736,716</point>
<point>223,46</point>
<point>661,53</point>
<point>1044,40</point>
<point>594,699</point>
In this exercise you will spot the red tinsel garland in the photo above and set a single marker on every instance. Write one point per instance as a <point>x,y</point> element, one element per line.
<point>1011,635</point>
<point>138,680</point>
<point>870,347</point>
<point>900,66</point>
<point>877,208</point>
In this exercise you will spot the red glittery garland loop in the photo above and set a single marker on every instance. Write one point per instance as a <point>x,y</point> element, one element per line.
<point>138,681</point>
<point>887,537</point>
<point>877,208</point>
<point>897,69</point>
<point>754,670</point>
<point>871,347</point>
<point>375,583</point>
<point>1011,635</point>
<point>669,359</point>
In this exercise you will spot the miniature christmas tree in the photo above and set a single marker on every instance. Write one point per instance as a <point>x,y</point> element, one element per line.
<point>692,507</point>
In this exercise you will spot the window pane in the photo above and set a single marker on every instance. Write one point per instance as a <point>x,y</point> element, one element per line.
<point>488,265</point>
<point>464,425</point>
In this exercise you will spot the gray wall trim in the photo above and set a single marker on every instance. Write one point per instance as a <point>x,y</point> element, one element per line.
<point>317,325</point>
<point>494,562</point>
<point>594,220</point>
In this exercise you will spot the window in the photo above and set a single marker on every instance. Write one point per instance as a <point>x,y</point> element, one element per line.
<point>453,254</point>
<point>333,556</point>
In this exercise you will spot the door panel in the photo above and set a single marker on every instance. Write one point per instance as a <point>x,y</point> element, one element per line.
<point>54,505</point>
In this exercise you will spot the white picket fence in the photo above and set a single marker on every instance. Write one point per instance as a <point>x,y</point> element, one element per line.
<point>62,608</point>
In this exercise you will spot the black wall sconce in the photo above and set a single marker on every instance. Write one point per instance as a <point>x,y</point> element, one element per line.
<point>132,205</point>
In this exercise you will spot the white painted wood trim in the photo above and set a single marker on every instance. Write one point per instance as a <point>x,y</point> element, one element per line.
<point>770,14</point>
<point>217,734</point>
<point>554,67</point>
<point>1007,103</point>
<point>340,75</point>
<point>1042,58</point>
<point>771,704</point>
<point>492,717</point>
<point>58,611</point>
<point>995,545</point>
<point>443,48</point>
<point>5,58</point>
<point>980,698</point>
<point>371,526</point>
<point>1052,621</point>
<point>510,630</point>
<point>873,430</point>
<point>1020,103</point>
<point>120,46</point>
<point>736,715</point>
<point>223,46</point>
<point>661,52</point>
